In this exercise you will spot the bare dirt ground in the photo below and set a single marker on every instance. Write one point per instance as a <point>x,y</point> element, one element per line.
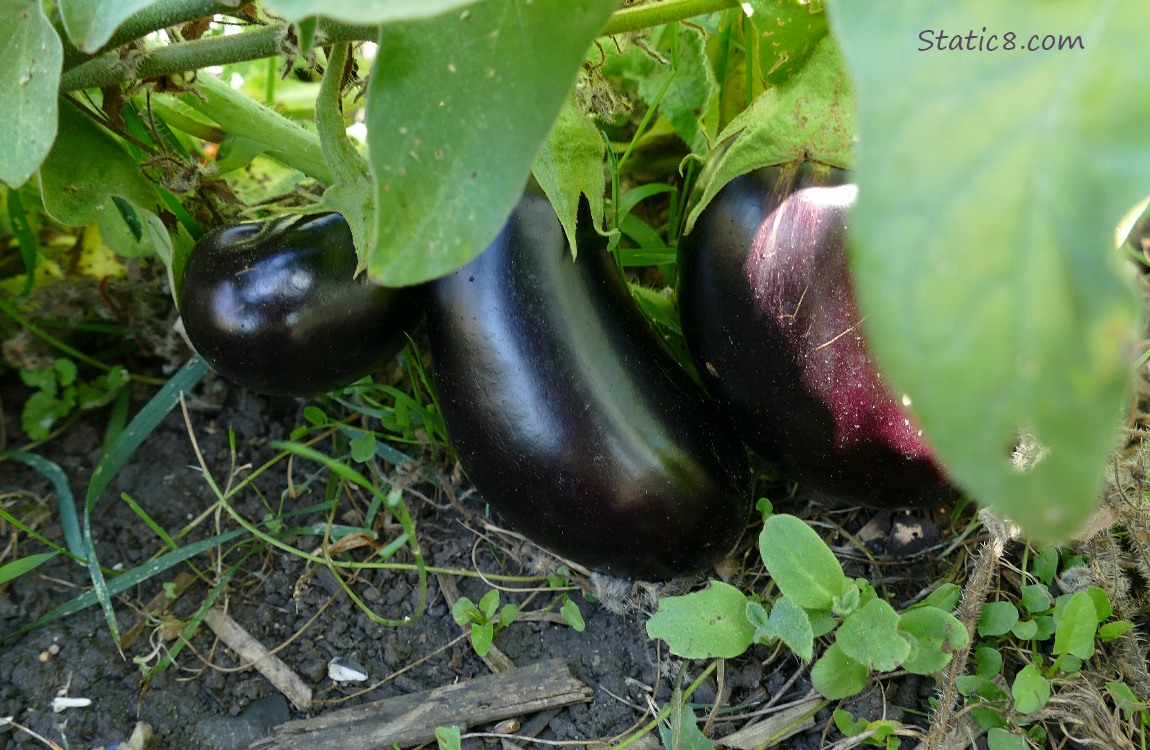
<point>205,699</point>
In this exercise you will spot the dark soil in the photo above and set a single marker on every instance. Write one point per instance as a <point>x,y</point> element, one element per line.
<point>203,702</point>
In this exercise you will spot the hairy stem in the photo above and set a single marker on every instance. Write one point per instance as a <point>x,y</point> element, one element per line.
<point>109,69</point>
<point>656,14</point>
<point>159,15</point>
<point>241,116</point>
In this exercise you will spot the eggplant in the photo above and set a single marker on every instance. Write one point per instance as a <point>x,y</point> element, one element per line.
<point>568,413</point>
<point>769,315</point>
<point>276,307</point>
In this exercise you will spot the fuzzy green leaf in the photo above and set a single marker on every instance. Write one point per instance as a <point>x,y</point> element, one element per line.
<point>789,623</point>
<point>364,11</point>
<point>91,23</point>
<point>871,637</point>
<point>570,165</point>
<point>704,624</point>
<point>934,636</point>
<point>85,169</point>
<point>805,569</point>
<point>786,34</point>
<point>990,183</point>
<point>835,675</point>
<point>457,107</point>
<point>811,115</point>
<point>30,59</point>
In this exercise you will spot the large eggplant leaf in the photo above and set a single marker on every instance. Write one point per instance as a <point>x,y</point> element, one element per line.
<point>30,60</point>
<point>91,23</point>
<point>86,169</point>
<point>811,115</point>
<point>990,183</point>
<point>457,108</point>
<point>364,11</point>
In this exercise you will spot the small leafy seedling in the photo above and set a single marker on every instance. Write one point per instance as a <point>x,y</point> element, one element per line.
<point>816,599</point>
<point>484,620</point>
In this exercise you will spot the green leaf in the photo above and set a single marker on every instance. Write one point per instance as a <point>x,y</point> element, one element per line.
<point>1113,630</point>
<point>934,636</point>
<point>835,675</point>
<point>786,34</point>
<point>704,624</point>
<point>989,187</point>
<point>998,738</point>
<point>802,565</point>
<point>945,597</point>
<point>1125,699</point>
<point>85,169</point>
<point>1036,598</point>
<point>489,603</point>
<point>362,447</point>
<point>22,565</point>
<point>570,165</point>
<point>1045,565</point>
<point>789,623</point>
<point>1024,630</point>
<point>448,738</point>
<point>871,637</point>
<point>91,23</point>
<point>31,56</point>
<point>997,618</point>
<point>1030,690</point>
<point>845,723</point>
<point>572,616</point>
<point>811,115</point>
<point>685,98</point>
<point>482,634</point>
<point>364,11</point>
<point>154,238</point>
<point>464,611</point>
<point>1077,627</point>
<point>457,107</point>
<point>989,661</point>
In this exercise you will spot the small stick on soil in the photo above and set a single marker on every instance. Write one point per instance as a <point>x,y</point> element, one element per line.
<point>252,652</point>
<point>408,720</point>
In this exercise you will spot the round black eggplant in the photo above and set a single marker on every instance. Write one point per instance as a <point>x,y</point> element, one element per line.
<point>276,307</point>
<point>769,315</point>
<point>571,417</point>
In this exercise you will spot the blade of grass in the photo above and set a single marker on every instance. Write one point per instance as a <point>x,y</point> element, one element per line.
<point>65,501</point>
<point>19,567</point>
<point>126,580</point>
<point>29,247</point>
<point>138,430</point>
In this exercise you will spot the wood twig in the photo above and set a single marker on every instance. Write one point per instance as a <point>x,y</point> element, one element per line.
<point>252,652</point>
<point>409,720</point>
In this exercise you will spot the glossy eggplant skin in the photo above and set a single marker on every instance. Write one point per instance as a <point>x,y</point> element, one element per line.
<point>276,307</point>
<point>570,416</point>
<point>769,315</point>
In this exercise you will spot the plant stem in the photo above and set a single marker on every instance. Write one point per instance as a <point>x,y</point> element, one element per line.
<point>240,115</point>
<point>159,15</point>
<point>656,14</point>
<point>108,69</point>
